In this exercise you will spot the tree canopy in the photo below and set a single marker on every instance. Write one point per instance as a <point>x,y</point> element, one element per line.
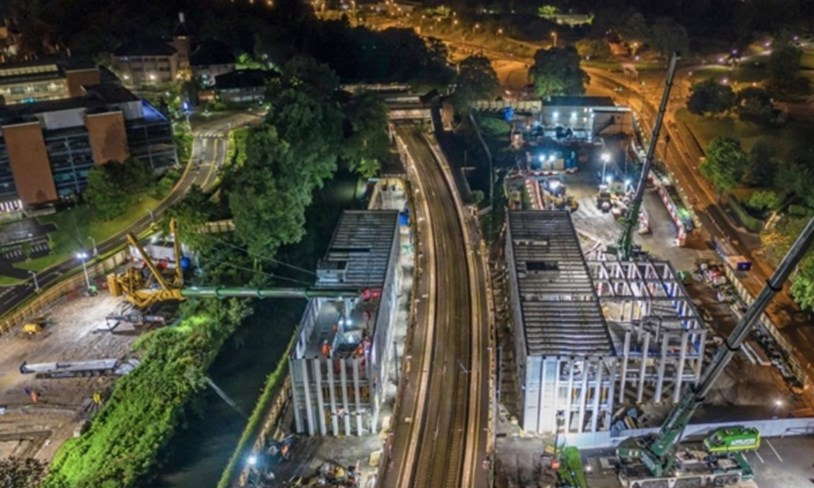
<point>556,71</point>
<point>725,163</point>
<point>710,97</point>
<point>668,36</point>
<point>476,80</point>
<point>114,187</point>
<point>366,142</point>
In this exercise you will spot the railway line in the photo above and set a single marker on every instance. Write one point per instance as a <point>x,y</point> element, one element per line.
<point>443,442</point>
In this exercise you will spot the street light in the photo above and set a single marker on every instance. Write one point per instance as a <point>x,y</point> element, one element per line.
<point>605,157</point>
<point>83,256</point>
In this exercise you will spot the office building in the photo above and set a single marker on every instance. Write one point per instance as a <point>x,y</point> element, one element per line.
<point>39,81</point>
<point>47,148</point>
<point>584,117</point>
<point>211,59</point>
<point>243,86</point>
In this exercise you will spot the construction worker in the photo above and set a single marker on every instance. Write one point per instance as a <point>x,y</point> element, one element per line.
<point>97,398</point>
<point>326,349</point>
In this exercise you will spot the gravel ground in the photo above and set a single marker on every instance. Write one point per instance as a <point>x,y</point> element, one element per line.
<point>38,429</point>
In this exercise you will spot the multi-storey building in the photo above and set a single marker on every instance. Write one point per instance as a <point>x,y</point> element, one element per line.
<point>45,80</point>
<point>593,335</point>
<point>211,59</point>
<point>47,148</point>
<point>339,365</point>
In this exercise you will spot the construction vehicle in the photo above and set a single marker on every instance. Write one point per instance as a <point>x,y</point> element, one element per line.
<point>571,472</point>
<point>655,460</point>
<point>35,327</point>
<point>73,369</point>
<point>624,247</point>
<point>727,440</point>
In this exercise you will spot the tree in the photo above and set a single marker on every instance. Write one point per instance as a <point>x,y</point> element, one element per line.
<point>763,164</point>
<point>710,97</point>
<point>668,36</point>
<point>802,286</point>
<point>592,48</point>
<point>755,105</point>
<point>547,11</point>
<point>113,187</point>
<point>784,62</point>
<point>476,80</point>
<point>190,215</point>
<point>366,140</point>
<point>556,71</point>
<point>635,28</point>
<point>725,163</point>
<point>764,200</point>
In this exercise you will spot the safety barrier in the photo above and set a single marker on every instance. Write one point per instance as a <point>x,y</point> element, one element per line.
<point>55,294</point>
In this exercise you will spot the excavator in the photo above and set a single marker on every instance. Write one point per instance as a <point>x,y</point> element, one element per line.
<point>656,460</point>
<point>137,289</point>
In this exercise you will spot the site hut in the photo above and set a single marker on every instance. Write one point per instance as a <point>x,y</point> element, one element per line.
<point>588,338</point>
<point>585,117</point>
<point>341,358</point>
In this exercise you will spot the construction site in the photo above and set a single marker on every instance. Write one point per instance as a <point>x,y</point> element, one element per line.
<point>609,351</point>
<point>55,372</point>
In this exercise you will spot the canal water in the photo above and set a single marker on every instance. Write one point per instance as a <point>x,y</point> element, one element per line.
<point>199,452</point>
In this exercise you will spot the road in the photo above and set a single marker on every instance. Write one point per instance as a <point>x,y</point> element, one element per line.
<point>681,155</point>
<point>442,430</point>
<point>208,154</point>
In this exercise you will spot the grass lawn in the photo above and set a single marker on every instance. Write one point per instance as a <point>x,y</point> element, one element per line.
<point>74,230</point>
<point>784,138</point>
<point>807,60</point>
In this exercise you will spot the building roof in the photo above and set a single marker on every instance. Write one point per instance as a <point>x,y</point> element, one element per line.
<point>41,69</point>
<point>564,101</point>
<point>360,248</point>
<point>211,52</point>
<point>243,78</point>
<point>145,47</point>
<point>560,310</point>
<point>97,97</point>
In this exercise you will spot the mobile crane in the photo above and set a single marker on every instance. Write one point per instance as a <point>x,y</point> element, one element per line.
<point>625,245</point>
<point>653,461</point>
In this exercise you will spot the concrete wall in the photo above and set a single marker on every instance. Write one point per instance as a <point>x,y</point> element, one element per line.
<point>108,138</point>
<point>29,163</point>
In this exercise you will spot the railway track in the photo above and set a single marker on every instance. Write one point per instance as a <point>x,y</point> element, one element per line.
<point>441,445</point>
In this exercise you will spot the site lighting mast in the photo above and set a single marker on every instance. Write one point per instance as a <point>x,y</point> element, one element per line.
<point>625,245</point>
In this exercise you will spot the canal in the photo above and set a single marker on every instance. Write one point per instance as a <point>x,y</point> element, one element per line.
<point>200,451</point>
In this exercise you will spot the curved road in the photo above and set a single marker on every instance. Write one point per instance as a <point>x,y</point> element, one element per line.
<point>443,443</point>
<point>208,154</point>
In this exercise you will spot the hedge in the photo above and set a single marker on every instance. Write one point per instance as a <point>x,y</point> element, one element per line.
<point>122,447</point>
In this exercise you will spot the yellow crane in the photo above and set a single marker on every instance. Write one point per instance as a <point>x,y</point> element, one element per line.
<point>137,290</point>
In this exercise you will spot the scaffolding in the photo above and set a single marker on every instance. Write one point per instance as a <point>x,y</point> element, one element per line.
<point>592,335</point>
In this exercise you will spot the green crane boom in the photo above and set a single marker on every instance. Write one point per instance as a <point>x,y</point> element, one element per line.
<point>278,292</point>
<point>625,245</point>
<point>658,452</point>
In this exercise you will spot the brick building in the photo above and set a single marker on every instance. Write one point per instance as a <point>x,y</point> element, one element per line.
<point>47,148</point>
